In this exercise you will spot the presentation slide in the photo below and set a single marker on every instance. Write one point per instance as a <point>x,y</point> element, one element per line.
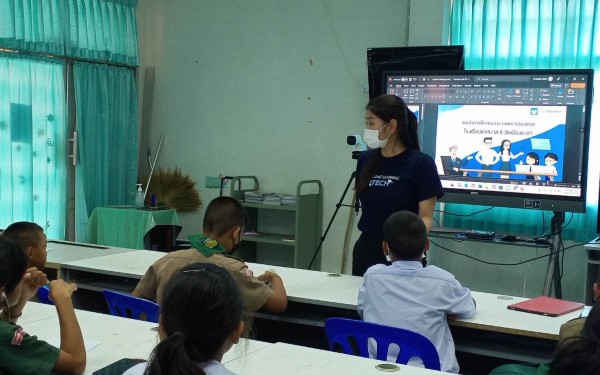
<point>501,141</point>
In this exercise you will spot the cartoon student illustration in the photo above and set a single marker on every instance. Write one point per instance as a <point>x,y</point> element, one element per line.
<point>505,157</point>
<point>532,158</point>
<point>455,163</point>
<point>487,157</point>
<point>550,159</point>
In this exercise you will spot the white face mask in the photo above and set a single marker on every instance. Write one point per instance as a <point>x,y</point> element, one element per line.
<point>371,137</point>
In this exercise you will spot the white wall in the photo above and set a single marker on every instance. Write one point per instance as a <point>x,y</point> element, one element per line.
<point>268,88</point>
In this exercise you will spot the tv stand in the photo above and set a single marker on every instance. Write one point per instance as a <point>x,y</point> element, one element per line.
<point>553,270</point>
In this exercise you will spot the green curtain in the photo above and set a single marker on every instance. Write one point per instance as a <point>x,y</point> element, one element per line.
<point>107,124</point>
<point>98,30</point>
<point>102,30</point>
<point>528,34</point>
<point>32,142</point>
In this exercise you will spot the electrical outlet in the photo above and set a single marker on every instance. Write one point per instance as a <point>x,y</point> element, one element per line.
<point>212,182</point>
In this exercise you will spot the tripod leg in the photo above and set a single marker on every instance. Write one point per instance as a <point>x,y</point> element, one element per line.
<point>337,208</point>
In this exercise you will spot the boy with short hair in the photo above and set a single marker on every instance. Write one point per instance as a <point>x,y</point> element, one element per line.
<point>222,231</point>
<point>407,295</point>
<point>33,242</point>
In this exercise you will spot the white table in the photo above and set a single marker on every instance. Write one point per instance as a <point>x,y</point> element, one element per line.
<point>315,287</point>
<point>499,332</point>
<point>314,296</point>
<point>493,331</point>
<point>289,359</point>
<point>118,337</point>
<point>60,252</point>
<point>120,271</point>
<point>35,311</point>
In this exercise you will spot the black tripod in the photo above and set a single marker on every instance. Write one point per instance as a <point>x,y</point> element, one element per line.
<point>337,208</point>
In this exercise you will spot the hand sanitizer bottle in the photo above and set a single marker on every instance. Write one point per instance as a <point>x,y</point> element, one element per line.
<point>139,196</point>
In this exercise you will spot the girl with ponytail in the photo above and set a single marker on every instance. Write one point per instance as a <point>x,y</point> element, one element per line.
<point>202,316</point>
<point>394,175</point>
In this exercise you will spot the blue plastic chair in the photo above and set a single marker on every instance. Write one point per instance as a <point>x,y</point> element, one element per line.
<point>43,295</point>
<point>128,306</point>
<point>353,335</point>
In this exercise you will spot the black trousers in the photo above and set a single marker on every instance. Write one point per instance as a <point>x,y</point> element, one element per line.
<point>367,252</point>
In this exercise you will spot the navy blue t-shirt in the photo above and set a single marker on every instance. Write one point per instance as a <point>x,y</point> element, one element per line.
<point>400,183</point>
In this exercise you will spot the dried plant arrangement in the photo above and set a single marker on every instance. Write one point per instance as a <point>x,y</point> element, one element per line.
<point>175,190</point>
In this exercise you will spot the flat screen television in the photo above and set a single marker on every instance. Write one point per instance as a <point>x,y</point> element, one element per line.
<point>510,138</point>
<point>410,58</point>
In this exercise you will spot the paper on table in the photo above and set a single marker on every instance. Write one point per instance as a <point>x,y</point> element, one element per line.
<point>89,344</point>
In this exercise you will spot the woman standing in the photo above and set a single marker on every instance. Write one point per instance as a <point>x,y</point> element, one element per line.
<point>393,175</point>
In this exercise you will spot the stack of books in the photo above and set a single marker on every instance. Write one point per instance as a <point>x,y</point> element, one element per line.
<point>274,199</point>
<point>269,198</point>
<point>254,196</point>
<point>288,200</point>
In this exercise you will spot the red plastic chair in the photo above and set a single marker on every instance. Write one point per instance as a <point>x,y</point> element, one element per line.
<point>352,336</point>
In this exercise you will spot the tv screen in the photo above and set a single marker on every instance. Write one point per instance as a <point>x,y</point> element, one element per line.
<point>410,58</point>
<point>511,138</point>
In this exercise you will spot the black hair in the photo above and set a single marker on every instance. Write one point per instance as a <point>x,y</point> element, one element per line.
<point>25,233</point>
<point>552,156</point>
<point>502,146</point>
<point>13,264</point>
<point>388,107</point>
<point>202,306</point>
<point>580,355</point>
<point>534,156</point>
<point>405,234</point>
<point>222,214</point>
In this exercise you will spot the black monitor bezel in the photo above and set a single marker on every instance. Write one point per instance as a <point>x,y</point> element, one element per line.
<point>419,58</point>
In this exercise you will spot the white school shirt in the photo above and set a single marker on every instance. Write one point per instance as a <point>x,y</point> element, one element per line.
<point>410,296</point>
<point>210,368</point>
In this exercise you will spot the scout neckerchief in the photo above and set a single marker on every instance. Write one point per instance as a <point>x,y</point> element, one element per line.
<point>206,245</point>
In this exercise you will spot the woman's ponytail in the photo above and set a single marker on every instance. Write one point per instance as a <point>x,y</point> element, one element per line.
<point>170,357</point>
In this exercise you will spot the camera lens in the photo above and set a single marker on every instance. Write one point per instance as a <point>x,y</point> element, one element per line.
<point>351,140</point>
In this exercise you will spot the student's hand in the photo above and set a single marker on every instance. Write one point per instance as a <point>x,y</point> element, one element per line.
<point>33,279</point>
<point>267,276</point>
<point>60,290</point>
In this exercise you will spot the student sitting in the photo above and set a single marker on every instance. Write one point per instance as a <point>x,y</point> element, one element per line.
<point>23,354</point>
<point>574,327</point>
<point>407,295</point>
<point>32,240</point>
<point>201,317</point>
<point>223,227</point>
<point>581,354</point>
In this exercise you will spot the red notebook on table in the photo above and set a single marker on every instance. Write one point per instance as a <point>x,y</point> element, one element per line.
<point>546,306</point>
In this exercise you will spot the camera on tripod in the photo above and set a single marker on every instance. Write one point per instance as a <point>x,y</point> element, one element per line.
<point>358,143</point>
